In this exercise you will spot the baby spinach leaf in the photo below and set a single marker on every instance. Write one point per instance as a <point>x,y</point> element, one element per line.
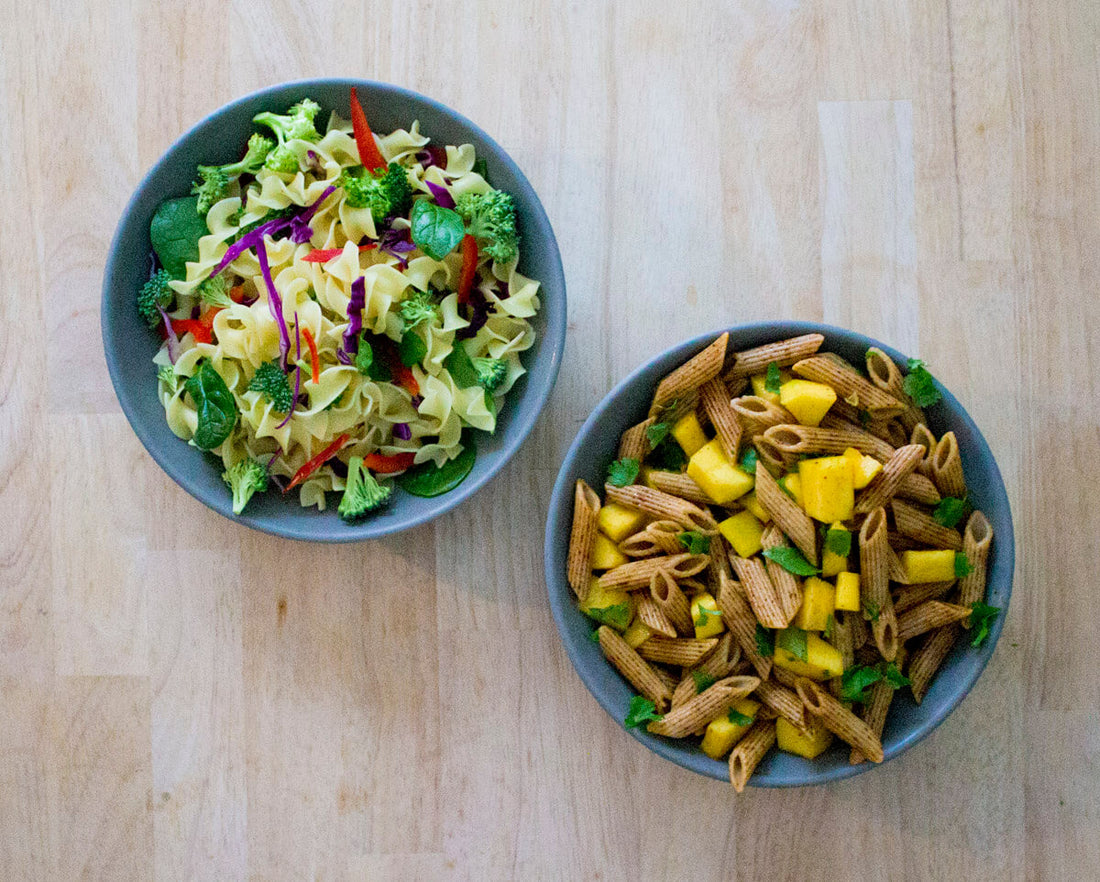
<point>217,410</point>
<point>174,233</point>
<point>435,230</point>
<point>429,480</point>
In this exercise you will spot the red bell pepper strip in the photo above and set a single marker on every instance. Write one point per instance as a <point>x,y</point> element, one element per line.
<point>469,268</point>
<point>369,155</point>
<point>386,465</point>
<point>202,328</point>
<point>324,255</point>
<point>314,358</point>
<point>319,460</point>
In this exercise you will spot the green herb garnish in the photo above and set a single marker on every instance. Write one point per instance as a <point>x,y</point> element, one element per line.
<point>791,560</point>
<point>981,619</point>
<point>963,567</point>
<point>694,542</point>
<point>748,461</point>
<point>764,641</point>
<point>656,433</point>
<point>642,710</point>
<point>794,641</point>
<point>871,611</point>
<point>739,719</point>
<point>950,511</point>
<point>919,385</point>
<point>839,542</point>
<point>623,472</point>
<point>773,380</point>
<point>703,681</point>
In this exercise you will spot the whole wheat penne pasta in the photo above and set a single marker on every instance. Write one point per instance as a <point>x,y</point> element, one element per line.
<point>667,678</point>
<point>676,650</point>
<point>775,459</point>
<point>760,591</point>
<point>896,431</point>
<point>784,677</point>
<point>633,444</point>
<point>868,654</point>
<point>651,614</point>
<point>928,616</point>
<point>662,505</point>
<point>741,622</point>
<point>927,660</point>
<point>849,385</point>
<point>874,715</point>
<point>791,519</point>
<point>582,538</point>
<point>716,402</point>
<point>923,436</point>
<point>783,353</point>
<point>677,484</point>
<point>977,538</point>
<point>632,666</point>
<point>884,630</point>
<point>666,535</point>
<point>757,414</point>
<point>800,440</point>
<point>843,640</point>
<point>885,484</point>
<point>915,524</point>
<point>899,542</point>
<point>918,488</point>
<point>716,666</point>
<point>947,469</point>
<point>860,632</point>
<point>691,374</point>
<point>735,386</point>
<point>747,753</point>
<point>788,588</point>
<point>637,573</point>
<point>784,701</point>
<point>642,544</point>
<point>857,416</point>
<point>874,582</point>
<point>691,587</point>
<point>684,691</point>
<point>668,596</point>
<point>895,567</point>
<point>885,374</point>
<point>876,444</point>
<point>839,720</point>
<point>909,596</point>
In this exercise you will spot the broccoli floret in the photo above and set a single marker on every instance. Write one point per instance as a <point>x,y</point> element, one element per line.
<point>214,185</point>
<point>245,478</point>
<point>270,381</point>
<point>155,293</point>
<point>490,372</point>
<point>282,159</point>
<point>362,493</point>
<point>385,195</point>
<point>253,159</point>
<point>295,125</point>
<point>418,308</point>
<point>491,219</point>
<point>167,375</point>
<point>214,290</point>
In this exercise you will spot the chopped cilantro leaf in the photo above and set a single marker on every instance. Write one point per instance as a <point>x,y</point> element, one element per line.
<point>919,385</point>
<point>694,542</point>
<point>642,710</point>
<point>616,616</point>
<point>703,681</point>
<point>791,560</point>
<point>739,719</point>
<point>839,542</point>
<point>963,566</point>
<point>871,611</point>
<point>772,380</point>
<point>794,641</point>
<point>623,472</point>
<point>829,622</point>
<point>764,641</point>
<point>748,461</point>
<point>855,682</point>
<point>595,636</point>
<point>950,511</point>
<point>656,433</point>
<point>704,615</point>
<point>893,677</point>
<point>981,619</point>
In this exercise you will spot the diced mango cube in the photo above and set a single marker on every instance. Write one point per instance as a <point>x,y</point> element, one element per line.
<point>823,661</point>
<point>828,490</point>
<point>752,504</point>
<point>637,634</point>
<point>708,623</point>
<point>619,521</point>
<point>743,531</point>
<point>759,382</point>
<point>608,606</point>
<point>937,565</point>
<point>806,400</point>
<point>719,478</point>
<point>832,564</point>
<point>689,434</point>
<point>606,554</point>
<point>792,483</point>
<point>809,744</point>
<point>847,592</point>
<point>818,603</point>
<point>864,467</point>
<point>722,733</point>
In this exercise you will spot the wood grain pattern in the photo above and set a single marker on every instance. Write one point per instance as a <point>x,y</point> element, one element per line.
<point>924,171</point>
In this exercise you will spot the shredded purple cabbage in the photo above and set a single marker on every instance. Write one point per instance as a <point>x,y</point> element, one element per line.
<point>402,431</point>
<point>442,195</point>
<point>300,230</point>
<point>274,456</point>
<point>349,346</point>
<point>274,303</point>
<point>173,340</point>
<point>480,309</point>
<point>297,373</point>
<point>432,155</point>
<point>314,161</point>
<point>396,243</point>
<point>417,400</point>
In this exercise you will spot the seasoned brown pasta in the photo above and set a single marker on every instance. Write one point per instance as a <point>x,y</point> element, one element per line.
<point>977,539</point>
<point>923,436</point>
<point>637,573</point>
<point>692,374</point>
<point>885,374</point>
<point>760,592</point>
<point>677,484</point>
<point>947,469</point>
<point>918,488</point>
<point>586,509</point>
<point>668,596</point>
<point>909,596</point>
<point>839,720</point>
<point>632,666</point>
<point>634,444</point>
<point>746,756</point>
<point>704,707</point>
<point>652,616</point>
<point>662,505</point>
<point>849,385</point>
<point>914,523</point>
<point>927,660</point>
<point>874,715</point>
<point>757,414</point>
<point>801,440</point>
<point>783,354</point>
<point>783,701</point>
<point>928,616</point>
<point>885,484</point>
<point>716,402</point>
<point>874,582</point>
<point>788,590</point>
<point>739,618</point>
<point>791,519</point>
<point>676,650</point>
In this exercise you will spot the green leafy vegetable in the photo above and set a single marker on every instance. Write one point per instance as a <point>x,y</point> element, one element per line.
<point>830,621</point>
<point>764,641</point>
<point>427,479</point>
<point>963,566</point>
<point>481,167</point>
<point>773,380</point>
<point>270,381</point>
<point>871,610</point>
<point>950,511</point>
<point>616,616</point>
<point>704,615</point>
<point>739,719</point>
<point>893,677</point>
<point>703,681</point>
<point>791,560</point>
<point>215,406</point>
<point>981,620</point>
<point>411,349</point>
<point>668,455</point>
<point>175,231</point>
<point>623,472</point>
<point>642,710</point>
<point>656,433</point>
<point>794,641</point>
<point>839,542</point>
<point>919,385</point>
<point>749,460</point>
<point>855,682</point>
<point>435,230</point>
<point>461,367</point>
<point>694,542</point>
<point>595,636</point>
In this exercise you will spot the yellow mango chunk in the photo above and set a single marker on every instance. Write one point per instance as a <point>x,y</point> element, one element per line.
<point>818,603</point>
<point>722,733</point>
<point>811,744</point>
<point>759,382</point>
<point>618,521</point>
<point>689,434</point>
<point>709,623</point>
<point>864,467</point>
<point>743,531</point>
<point>720,479</point>
<point>751,503</point>
<point>792,483</point>
<point>832,563</point>
<point>605,554</point>
<point>806,400</point>
<point>828,490</point>
<point>608,606</point>
<point>847,591</point>
<point>637,634</point>
<point>823,661</point>
<point>937,565</point>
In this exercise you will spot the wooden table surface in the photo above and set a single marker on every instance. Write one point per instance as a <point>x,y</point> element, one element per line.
<point>183,698</point>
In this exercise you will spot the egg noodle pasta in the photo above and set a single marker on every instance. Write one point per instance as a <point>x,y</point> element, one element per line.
<point>783,578</point>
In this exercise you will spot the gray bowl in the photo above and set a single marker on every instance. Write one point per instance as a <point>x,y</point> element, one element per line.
<point>129,345</point>
<point>595,447</point>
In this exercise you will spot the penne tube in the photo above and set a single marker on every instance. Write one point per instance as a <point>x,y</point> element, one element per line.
<point>788,589</point>
<point>874,582</point>
<point>839,720</point>
<point>634,444</point>
<point>677,484</point>
<point>637,573</point>
<point>947,470</point>
<point>772,457</point>
<point>903,543</point>
<point>909,596</point>
<point>702,708</point>
<point>791,519</point>
<point>785,677</point>
<point>662,506</point>
<point>632,666</point>
<point>667,678</point>
<point>915,524</point>
<point>884,373</point>
<point>582,538</point>
<point>642,544</point>
<point>928,616</point>
<point>896,432</point>
<point>677,650</point>
<point>885,484</point>
<point>923,436</point>
<point>977,538</point>
<point>801,440</point>
<point>918,488</point>
<point>748,752</point>
<point>927,660</point>
<point>856,416</point>
<point>719,664</point>
<point>784,701</point>
<point>735,386</point>
<point>691,374</point>
<point>719,562</point>
<point>783,354</point>
<point>897,570</point>
<point>666,535</point>
<point>874,715</point>
<point>668,596</point>
<point>716,402</point>
<point>741,623</point>
<point>760,591</point>
<point>844,641</point>
<point>849,385</point>
<point>651,615</point>
<point>757,414</point>
<point>860,632</point>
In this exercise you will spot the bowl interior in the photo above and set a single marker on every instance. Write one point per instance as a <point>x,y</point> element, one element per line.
<point>129,345</point>
<point>595,447</point>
